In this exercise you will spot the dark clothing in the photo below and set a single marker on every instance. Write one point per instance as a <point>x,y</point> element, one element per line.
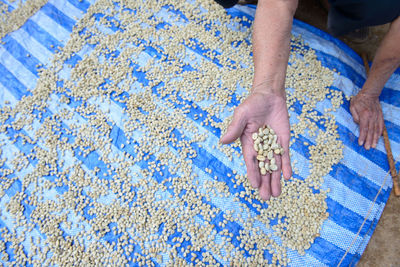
<point>227,3</point>
<point>348,15</point>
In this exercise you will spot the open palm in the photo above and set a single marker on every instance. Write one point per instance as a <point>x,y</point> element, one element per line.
<point>256,111</point>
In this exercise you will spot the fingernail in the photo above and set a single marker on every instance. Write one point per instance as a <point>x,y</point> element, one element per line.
<point>360,142</point>
<point>367,147</point>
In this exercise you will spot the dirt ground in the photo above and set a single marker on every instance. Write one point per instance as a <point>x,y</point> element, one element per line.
<point>384,246</point>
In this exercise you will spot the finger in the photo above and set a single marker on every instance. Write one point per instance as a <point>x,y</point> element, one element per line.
<point>376,134</point>
<point>250,158</point>
<point>265,188</point>
<point>235,128</point>
<point>370,135</point>
<point>354,113</point>
<point>276,178</point>
<point>285,159</point>
<point>363,131</point>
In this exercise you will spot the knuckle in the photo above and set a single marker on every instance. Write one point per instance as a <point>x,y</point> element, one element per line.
<point>239,111</point>
<point>366,113</point>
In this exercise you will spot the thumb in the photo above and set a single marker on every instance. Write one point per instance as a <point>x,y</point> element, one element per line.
<point>235,128</point>
<point>286,166</point>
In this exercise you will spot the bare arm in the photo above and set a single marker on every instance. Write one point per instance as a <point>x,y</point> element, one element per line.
<point>266,104</point>
<point>386,61</point>
<point>365,106</point>
<point>271,44</point>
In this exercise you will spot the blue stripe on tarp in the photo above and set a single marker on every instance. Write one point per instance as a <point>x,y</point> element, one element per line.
<point>351,141</point>
<point>390,96</point>
<point>58,16</point>
<point>344,47</point>
<point>14,188</point>
<point>356,182</point>
<point>10,252</point>
<point>325,251</point>
<point>330,254</point>
<point>394,131</point>
<point>20,54</point>
<point>9,81</point>
<point>346,218</point>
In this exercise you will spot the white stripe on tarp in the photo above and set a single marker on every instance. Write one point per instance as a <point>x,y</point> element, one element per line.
<point>393,82</point>
<point>302,261</point>
<point>345,84</point>
<point>344,240</point>
<point>391,112</point>
<point>51,27</point>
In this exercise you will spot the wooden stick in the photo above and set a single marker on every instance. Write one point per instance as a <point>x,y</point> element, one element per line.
<point>393,171</point>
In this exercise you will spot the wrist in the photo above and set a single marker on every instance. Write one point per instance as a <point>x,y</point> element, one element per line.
<point>268,89</point>
<point>370,92</point>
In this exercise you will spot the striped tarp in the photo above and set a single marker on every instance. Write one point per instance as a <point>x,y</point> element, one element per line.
<point>359,185</point>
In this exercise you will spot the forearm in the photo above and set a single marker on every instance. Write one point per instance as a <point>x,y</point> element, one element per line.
<point>271,44</point>
<point>386,61</point>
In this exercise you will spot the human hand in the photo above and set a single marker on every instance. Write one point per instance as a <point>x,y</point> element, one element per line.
<point>367,113</point>
<point>257,110</point>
